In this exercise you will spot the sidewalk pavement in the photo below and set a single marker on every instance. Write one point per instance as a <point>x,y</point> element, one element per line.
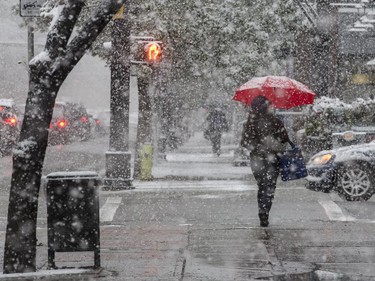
<point>143,251</point>
<point>196,161</point>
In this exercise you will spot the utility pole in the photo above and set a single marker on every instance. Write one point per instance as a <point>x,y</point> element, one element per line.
<point>326,51</point>
<point>322,47</point>
<point>144,131</point>
<point>30,49</point>
<point>30,42</point>
<point>317,54</point>
<point>118,157</point>
<point>148,55</point>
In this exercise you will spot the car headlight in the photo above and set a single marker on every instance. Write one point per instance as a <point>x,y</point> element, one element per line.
<point>321,159</point>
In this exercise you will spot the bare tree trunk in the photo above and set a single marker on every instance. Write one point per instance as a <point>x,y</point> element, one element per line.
<point>48,71</point>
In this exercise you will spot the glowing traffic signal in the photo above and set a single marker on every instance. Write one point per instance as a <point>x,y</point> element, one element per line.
<point>153,52</point>
<point>146,50</point>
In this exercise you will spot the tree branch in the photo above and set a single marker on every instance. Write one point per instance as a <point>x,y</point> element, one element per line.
<point>87,35</point>
<point>58,37</point>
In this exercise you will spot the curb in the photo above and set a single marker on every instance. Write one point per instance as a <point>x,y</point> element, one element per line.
<point>54,274</point>
<point>306,273</point>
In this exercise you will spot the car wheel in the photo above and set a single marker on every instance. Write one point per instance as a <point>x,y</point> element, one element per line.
<point>355,182</point>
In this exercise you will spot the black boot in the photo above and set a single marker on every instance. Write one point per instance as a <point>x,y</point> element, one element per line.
<point>263,218</point>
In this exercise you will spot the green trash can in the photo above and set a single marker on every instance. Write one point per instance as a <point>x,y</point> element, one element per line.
<point>73,214</point>
<point>146,162</point>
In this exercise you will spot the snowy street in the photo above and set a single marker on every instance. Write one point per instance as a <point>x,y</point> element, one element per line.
<point>187,140</point>
<point>207,229</point>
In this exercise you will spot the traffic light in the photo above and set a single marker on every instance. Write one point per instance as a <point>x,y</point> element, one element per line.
<point>147,50</point>
<point>153,52</point>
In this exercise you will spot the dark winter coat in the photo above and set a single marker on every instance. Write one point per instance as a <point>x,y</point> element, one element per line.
<point>263,134</point>
<point>217,122</point>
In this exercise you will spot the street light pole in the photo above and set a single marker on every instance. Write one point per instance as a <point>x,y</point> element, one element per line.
<point>118,167</point>
<point>326,48</point>
<point>30,42</point>
<point>30,49</point>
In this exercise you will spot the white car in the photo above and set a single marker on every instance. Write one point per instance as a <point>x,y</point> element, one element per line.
<point>347,170</point>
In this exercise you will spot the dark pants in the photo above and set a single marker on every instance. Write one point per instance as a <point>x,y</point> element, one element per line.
<point>266,171</point>
<point>216,142</point>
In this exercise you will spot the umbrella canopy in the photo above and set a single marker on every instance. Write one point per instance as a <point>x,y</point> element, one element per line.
<point>282,91</point>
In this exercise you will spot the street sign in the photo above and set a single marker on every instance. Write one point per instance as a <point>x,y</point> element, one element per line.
<point>31,8</point>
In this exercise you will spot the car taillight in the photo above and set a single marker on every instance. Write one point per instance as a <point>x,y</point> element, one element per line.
<point>61,123</point>
<point>84,119</point>
<point>11,121</point>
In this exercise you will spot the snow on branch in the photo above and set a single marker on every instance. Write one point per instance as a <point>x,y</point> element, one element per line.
<point>50,11</point>
<point>62,28</point>
<point>41,57</point>
<point>87,34</point>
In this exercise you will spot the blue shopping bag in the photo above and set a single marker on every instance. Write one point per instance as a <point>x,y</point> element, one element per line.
<point>293,165</point>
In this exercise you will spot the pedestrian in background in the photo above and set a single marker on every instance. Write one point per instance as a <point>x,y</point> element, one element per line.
<point>265,136</point>
<point>217,124</point>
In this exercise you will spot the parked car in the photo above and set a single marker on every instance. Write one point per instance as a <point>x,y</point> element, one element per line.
<point>59,128</point>
<point>70,121</point>
<point>368,130</point>
<point>355,135</point>
<point>347,170</point>
<point>93,125</point>
<point>103,122</point>
<point>9,126</point>
<point>79,121</point>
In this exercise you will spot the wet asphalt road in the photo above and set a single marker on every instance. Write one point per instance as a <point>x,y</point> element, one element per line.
<point>209,231</point>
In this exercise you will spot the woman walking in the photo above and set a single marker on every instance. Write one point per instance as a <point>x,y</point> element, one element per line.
<point>265,137</point>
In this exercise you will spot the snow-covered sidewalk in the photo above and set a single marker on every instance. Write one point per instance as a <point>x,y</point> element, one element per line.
<point>195,161</point>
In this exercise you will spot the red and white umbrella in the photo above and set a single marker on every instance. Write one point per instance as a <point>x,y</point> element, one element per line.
<point>282,91</point>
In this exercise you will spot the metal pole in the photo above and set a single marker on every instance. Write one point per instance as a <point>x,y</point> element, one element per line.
<point>154,90</point>
<point>334,55</point>
<point>118,167</point>
<point>30,42</point>
<point>30,49</point>
<point>144,125</point>
<point>323,51</point>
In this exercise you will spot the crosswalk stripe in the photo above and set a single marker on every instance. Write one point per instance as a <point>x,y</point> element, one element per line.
<point>108,210</point>
<point>334,212</point>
